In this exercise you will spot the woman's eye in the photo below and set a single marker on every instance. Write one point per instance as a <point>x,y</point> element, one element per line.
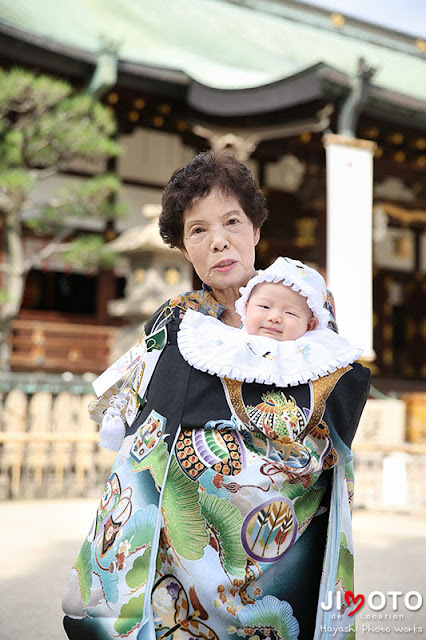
<point>233,221</point>
<point>197,230</point>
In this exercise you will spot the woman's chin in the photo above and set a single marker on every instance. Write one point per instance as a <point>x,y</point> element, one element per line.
<point>232,279</point>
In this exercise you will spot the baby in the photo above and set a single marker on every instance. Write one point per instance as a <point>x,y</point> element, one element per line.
<point>278,312</point>
<point>284,339</point>
<point>284,301</point>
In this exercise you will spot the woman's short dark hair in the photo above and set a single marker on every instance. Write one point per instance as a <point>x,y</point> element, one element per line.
<point>196,179</point>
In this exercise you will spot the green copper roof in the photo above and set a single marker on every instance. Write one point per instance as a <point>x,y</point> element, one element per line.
<point>225,44</point>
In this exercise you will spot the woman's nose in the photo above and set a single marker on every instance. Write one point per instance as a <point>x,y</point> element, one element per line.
<point>219,240</point>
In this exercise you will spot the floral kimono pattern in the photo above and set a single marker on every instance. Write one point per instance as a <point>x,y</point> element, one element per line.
<point>226,514</point>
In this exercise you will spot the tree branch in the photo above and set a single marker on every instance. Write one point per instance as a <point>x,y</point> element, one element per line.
<point>48,250</point>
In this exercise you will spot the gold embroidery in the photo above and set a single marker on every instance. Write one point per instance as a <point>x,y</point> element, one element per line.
<point>320,390</point>
<point>235,399</point>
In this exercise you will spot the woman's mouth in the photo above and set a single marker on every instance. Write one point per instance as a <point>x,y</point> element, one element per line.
<point>223,266</point>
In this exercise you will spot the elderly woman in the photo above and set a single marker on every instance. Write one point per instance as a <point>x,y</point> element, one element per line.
<point>214,520</point>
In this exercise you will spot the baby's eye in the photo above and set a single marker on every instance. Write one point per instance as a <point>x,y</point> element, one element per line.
<point>290,313</point>
<point>264,306</point>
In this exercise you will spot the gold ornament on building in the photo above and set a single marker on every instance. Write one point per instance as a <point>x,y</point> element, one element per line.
<point>305,232</point>
<point>113,97</point>
<point>139,103</point>
<point>399,156</point>
<point>371,133</point>
<point>164,108</point>
<point>404,216</point>
<point>305,137</point>
<point>139,276</point>
<point>337,19</point>
<point>387,308</point>
<point>387,357</point>
<point>410,329</point>
<point>387,332</point>
<point>158,121</point>
<point>133,116</point>
<point>172,276</point>
<point>396,138</point>
<point>420,144</point>
<point>421,45</point>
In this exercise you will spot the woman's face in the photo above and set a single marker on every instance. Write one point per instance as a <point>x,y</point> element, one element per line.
<point>219,239</point>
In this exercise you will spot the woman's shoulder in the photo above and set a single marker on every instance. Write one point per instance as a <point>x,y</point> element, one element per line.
<point>361,374</point>
<point>201,300</point>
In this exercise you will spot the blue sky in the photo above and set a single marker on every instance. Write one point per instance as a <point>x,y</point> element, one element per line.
<point>408,16</point>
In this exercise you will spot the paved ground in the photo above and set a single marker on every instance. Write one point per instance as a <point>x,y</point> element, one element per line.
<point>39,541</point>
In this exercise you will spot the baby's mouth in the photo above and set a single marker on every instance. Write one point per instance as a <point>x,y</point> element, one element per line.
<point>271,329</point>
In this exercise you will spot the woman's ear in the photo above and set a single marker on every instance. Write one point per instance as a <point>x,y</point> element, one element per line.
<point>312,323</point>
<point>256,236</point>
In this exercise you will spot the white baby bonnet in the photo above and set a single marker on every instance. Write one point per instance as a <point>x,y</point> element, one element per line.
<point>301,278</point>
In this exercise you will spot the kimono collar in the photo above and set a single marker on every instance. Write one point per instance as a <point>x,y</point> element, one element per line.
<point>202,301</point>
<point>211,346</point>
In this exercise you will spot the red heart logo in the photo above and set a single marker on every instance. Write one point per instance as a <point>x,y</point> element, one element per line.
<point>350,597</point>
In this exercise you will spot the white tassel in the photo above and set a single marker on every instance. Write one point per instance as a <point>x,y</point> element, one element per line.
<point>113,428</point>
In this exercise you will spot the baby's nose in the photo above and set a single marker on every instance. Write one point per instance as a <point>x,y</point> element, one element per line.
<point>274,316</point>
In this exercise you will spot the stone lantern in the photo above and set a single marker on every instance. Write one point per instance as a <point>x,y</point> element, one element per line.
<point>156,273</point>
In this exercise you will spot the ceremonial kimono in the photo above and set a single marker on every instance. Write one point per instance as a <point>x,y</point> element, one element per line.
<point>227,511</point>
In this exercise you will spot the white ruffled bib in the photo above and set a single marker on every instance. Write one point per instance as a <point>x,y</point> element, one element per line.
<point>209,345</point>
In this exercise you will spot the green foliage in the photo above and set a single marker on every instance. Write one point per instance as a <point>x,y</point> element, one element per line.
<point>44,123</point>
<point>45,126</point>
<point>90,251</point>
<point>91,198</point>
<point>15,185</point>
<point>24,92</point>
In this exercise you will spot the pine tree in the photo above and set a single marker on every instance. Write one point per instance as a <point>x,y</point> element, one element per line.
<point>45,126</point>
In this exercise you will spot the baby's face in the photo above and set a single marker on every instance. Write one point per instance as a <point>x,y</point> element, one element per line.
<point>277,311</point>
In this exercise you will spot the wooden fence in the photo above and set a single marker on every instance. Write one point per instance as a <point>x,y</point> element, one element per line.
<point>48,446</point>
<point>48,449</point>
<point>59,346</point>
